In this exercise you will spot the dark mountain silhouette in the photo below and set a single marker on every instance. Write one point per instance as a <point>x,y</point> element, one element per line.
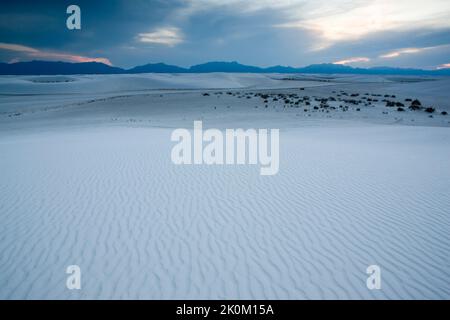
<point>157,68</point>
<point>57,68</point>
<point>343,69</point>
<point>327,68</point>
<point>406,71</point>
<point>52,68</point>
<point>223,67</point>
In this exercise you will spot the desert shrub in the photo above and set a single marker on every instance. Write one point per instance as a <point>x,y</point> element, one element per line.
<point>390,104</point>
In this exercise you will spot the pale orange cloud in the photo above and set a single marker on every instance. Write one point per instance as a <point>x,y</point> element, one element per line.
<point>352,60</point>
<point>41,54</point>
<point>397,53</point>
<point>403,51</point>
<point>444,66</point>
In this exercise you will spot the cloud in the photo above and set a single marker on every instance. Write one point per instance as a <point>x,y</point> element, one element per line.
<point>444,66</point>
<point>338,20</point>
<point>243,6</point>
<point>352,60</point>
<point>30,52</point>
<point>403,51</point>
<point>169,36</point>
<point>397,53</point>
<point>17,47</point>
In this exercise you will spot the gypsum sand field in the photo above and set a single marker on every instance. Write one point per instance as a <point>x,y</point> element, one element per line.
<point>87,179</point>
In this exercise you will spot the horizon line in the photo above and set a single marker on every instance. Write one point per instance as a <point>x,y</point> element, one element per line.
<point>233,62</point>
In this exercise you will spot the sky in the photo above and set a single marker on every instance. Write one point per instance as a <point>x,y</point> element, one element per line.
<point>127,33</point>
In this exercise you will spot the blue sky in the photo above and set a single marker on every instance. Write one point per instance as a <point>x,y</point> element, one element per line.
<point>400,33</point>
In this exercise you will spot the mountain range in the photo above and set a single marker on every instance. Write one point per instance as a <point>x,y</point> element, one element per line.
<point>66,68</point>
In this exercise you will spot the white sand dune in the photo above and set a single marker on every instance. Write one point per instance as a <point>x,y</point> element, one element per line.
<point>45,91</point>
<point>89,181</point>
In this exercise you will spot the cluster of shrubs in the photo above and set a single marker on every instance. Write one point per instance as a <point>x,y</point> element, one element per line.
<point>414,106</point>
<point>294,100</point>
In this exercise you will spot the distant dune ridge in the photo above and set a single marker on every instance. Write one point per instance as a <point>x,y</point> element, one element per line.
<point>58,67</point>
